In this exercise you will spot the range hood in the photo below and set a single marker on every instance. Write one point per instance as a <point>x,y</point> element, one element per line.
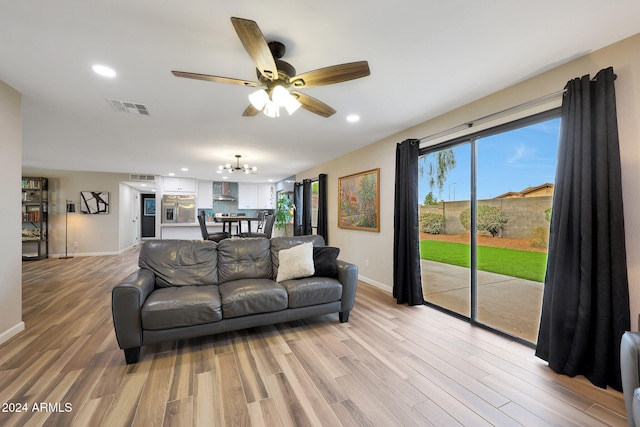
<point>225,192</point>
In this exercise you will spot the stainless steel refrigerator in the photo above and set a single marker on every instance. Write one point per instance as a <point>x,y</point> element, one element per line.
<point>178,209</point>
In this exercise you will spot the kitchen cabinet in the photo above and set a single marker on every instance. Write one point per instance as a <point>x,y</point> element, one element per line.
<point>247,196</point>
<point>205,194</point>
<point>178,185</point>
<point>256,196</point>
<point>266,196</point>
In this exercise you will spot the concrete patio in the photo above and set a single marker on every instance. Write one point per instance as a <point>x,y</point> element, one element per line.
<point>505,303</point>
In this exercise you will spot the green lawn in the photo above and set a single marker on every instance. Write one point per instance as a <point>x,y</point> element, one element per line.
<point>510,262</point>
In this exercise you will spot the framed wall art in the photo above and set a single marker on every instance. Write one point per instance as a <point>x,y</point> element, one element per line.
<point>94,202</point>
<point>149,207</point>
<point>359,201</point>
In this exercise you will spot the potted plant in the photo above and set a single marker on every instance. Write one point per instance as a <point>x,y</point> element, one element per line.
<point>284,212</point>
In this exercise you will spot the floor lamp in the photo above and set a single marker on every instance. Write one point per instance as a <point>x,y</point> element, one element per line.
<point>71,208</point>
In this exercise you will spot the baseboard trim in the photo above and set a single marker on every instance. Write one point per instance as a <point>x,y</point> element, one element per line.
<point>11,332</point>
<point>375,283</point>
<point>81,254</point>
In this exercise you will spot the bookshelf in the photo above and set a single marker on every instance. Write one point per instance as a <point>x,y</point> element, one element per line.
<point>35,210</point>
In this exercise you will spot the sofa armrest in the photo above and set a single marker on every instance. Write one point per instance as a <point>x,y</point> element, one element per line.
<point>348,276</point>
<point>630,372</point>
<point>127,299</point>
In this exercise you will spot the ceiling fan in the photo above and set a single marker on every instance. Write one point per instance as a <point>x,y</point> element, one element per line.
<point>275,76</point>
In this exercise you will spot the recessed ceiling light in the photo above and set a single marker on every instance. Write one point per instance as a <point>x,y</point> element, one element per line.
<point>184,169</point>
<point>225,177</point>
<point>352,118</point>
<point>172,174</point>
<point>104,71</point>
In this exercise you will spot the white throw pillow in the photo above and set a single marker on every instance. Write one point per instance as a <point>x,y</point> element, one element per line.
<point>296,262</point>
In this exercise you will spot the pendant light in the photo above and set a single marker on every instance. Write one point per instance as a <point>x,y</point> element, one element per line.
<point>230,169</point>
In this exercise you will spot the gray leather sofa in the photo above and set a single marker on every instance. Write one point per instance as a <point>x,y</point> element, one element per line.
<point>630,371</point>
<point>190,288</point>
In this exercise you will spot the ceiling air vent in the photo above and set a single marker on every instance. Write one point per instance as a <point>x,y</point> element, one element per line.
<point>129,107</point>
<point>139,177</point>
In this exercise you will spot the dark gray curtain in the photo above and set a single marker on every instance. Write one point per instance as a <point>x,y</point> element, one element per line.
<point>297,212</point>
<point>407,281</point>
<point>306,207</point>
<point>323,229</point>
<point>585,307</point>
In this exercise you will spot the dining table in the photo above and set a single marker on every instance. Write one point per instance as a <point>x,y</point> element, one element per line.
<point>237,219</point>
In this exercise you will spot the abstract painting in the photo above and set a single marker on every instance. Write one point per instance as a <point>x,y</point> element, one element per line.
<point>94,202</point>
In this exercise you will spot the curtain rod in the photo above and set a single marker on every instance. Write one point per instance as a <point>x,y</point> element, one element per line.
<point>471,123</point>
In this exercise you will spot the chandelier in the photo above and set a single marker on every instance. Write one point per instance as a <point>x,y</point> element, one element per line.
<point>231,169</point>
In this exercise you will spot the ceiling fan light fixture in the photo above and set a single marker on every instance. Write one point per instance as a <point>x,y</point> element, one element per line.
<point>292,105</point>
<point>280,96</point>
<point>271,109</point>
<point>259,98</point>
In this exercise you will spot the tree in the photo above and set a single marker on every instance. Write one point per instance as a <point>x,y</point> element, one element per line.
<point>438,166</point>
<point>490,218</point>
<point>429,200</point>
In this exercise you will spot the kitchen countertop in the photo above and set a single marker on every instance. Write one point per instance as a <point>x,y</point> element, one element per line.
<point>190,224</point>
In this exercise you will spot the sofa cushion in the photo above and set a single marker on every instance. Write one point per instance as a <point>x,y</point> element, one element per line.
<point>295,262</point>
<point>248,258</point>
<point>175,307</point>
<point>181,262</point>
<point>325,261</point>
<point>312,291</point>
<point>252,296</point>
<point>286,242</point>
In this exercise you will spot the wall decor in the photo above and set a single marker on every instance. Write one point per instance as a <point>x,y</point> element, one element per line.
<point>359,201</point>
<point>94,202</point>
<point>149,207</point>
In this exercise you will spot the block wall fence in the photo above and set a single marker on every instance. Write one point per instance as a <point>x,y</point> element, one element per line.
<point>524,215</point>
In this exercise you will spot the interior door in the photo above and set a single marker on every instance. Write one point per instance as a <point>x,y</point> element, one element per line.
<point>135,215</point>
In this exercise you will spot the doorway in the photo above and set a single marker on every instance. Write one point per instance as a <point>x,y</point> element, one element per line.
<point>148,221</point>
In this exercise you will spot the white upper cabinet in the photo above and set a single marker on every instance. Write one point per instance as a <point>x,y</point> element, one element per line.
<point>256,196</point>
<point>247,196</point>
<point>171,184</point>
<point>266,196</point>
<point>205,194</point>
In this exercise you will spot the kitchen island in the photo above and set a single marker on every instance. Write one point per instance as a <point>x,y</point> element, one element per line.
<point>189,231</point>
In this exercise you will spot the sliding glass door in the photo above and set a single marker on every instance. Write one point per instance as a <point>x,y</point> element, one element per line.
<point>445,246</point>
<point>484,223</point>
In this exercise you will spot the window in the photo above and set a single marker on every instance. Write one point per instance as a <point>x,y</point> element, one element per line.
<point>485,205</point>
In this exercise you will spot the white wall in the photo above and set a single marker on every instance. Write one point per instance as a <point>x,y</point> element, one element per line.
<point>95,234</point>
<point>10,194</point>
<point>377,248</point>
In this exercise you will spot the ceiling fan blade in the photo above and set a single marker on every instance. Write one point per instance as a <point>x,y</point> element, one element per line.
<point>250,111</point>
<point>256,46</point>
<point>309,103</point>
<point>217,79</point>
<point>330,75</point>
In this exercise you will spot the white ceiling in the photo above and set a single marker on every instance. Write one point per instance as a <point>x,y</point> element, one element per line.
<point>426,57</point>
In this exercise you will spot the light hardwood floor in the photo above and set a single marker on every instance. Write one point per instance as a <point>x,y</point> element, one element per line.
<point>390,365</point>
